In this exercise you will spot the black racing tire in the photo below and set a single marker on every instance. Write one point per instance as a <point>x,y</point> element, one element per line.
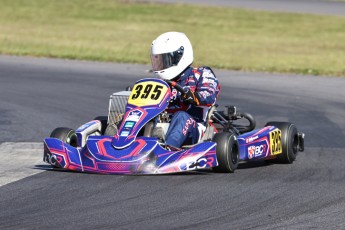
<point>66,135</point>
<point>227,151</point>
<point>289,141</point>
<point>104,122</point>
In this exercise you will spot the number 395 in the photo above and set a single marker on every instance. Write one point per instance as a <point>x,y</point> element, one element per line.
<point>144,93</point>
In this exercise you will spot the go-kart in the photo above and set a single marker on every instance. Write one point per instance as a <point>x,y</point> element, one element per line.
<point>131,140</point>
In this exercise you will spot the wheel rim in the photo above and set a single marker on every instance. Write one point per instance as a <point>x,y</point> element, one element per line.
<point>73,141</point>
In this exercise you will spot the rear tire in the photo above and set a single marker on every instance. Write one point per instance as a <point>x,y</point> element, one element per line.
<point>227,152</point>
<point>66,135</point>
<point>289,141</point>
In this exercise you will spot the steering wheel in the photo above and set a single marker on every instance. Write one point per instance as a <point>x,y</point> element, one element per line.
<point>176,86</point>
<point>249,118</point>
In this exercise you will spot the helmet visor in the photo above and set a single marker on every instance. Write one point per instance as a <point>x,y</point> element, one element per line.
<point>166,60</point>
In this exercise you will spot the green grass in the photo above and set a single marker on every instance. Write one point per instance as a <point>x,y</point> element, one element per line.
<point>122,31</point>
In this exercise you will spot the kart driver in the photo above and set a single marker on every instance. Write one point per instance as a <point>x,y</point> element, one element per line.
<point>171,57</point>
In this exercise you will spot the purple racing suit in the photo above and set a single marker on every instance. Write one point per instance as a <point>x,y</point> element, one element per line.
<point>188,121</point>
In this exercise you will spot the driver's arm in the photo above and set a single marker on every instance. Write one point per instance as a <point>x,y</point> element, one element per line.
<point>207,87</point>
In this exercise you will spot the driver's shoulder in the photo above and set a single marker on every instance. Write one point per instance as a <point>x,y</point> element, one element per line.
<point>197,74</point>
<point>204,71</point>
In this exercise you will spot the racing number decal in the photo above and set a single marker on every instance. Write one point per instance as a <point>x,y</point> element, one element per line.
<point>275,142</point>
<point>137,90</point>
<point>147,93</point>
<point>156,92</point>
<point>154,95</point>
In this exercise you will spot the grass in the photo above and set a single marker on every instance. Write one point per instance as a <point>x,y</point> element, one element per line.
<point>122,31</point>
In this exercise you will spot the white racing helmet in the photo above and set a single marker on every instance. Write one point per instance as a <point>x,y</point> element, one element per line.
<point>171,54</point>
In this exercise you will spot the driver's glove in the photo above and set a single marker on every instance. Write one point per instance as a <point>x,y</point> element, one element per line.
<point>191,97</point>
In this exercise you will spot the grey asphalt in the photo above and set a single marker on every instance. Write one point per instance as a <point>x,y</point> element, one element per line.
<point>298,6</point>
<point>37,95</point>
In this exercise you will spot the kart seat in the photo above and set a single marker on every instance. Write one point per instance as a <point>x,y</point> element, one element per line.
<point>209,132</point>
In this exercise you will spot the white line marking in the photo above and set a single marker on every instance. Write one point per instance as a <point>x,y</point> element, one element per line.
<point>19,159</point>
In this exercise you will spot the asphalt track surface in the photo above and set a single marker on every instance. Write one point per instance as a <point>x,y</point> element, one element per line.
<point>298,6</point>
<point>37,95</point>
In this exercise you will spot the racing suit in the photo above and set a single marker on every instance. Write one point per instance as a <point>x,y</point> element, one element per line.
<point>188,120</point>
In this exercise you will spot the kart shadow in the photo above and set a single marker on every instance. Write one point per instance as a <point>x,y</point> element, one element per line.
<point>52,168</point>
<point>43,167</point>
<point>254,164</point>
<point>185,173</point>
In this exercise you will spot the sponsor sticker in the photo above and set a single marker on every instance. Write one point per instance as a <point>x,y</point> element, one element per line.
<point>191,165</point>
<point>124,133</point>
<point>251,151</point>
<point>251,139</point>
<point>129,124</point>
<point>134,115</point>
<point>259,150</point>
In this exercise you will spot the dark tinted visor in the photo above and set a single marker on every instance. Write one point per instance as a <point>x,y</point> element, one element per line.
<point>166,60</point>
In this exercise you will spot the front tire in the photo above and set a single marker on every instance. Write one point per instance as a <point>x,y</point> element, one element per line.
<point>227,151</point>
<point>289,141</point>
<point>66,135</point>
<point>104,123</point>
